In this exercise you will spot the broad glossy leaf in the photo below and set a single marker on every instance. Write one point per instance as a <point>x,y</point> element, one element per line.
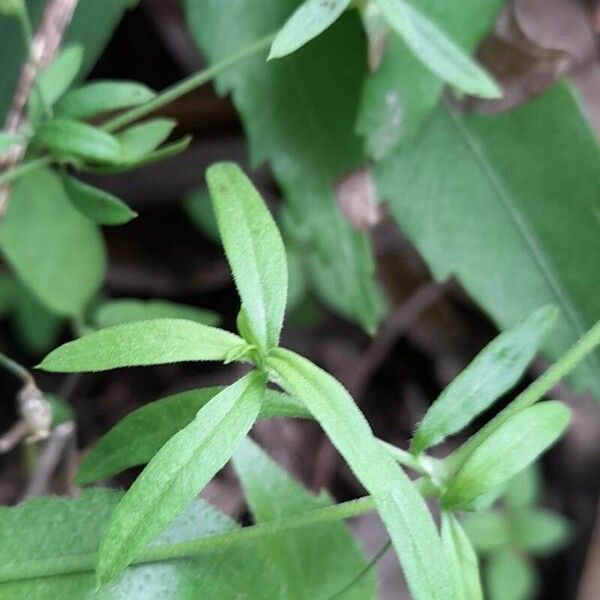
<point>539,532</point>
<point>99,97</point>
<point>96,204</point>
<point>155,342</point>
<point>508,450</point>
<point>177,473</point>
<point>72,138</point>
<point>310,19</point>
<point>135,439</point>
<point>60,529</point>
<point>463,559</point>
<point>401,93</point>
<point>138,141</point>
<point>487,530</point>
<point>436,50</point>
<point>309,144</point>
<point>401,507</point>
<point>313,562</point>
<point>481,194</point>
<point>53,249</point>
<point>254,250</point>
<point>127,310</point>
<point>494,371</point>
<point>510,576</point>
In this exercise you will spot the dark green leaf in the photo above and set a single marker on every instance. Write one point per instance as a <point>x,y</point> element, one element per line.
<point>313,562</point>
<point>71,138</point>
<point>310,19</point>
<point>177,473</point>
<point>539,532</point>
<point>96,204</point>
<point>140,140</point>
<point>437,52</point>
<point>254,250</point>
<point>508,450</point>
<point>54,250</point>
<point>494,371</point>
<point>481,194</point>
<point>155,342</point>
<point>510,576</point>
<point>399,504</point>
<point>139,436</point>
<point>198,207</point>
<point>99,97</point>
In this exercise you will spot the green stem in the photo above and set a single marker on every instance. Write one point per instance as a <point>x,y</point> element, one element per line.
<point>185,86</point>
<point>85,563</point>
<point>16,369</point>
<point>25,168</point>
<point>404,458</point>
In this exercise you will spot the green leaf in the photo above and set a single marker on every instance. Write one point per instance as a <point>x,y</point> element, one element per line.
<point>436,50</point>
<point>510,576</point>
<point>71,138</point>
<point>59,529</point>
<point>462,559</point>
<point>480,194</point>
<point>401,507</point>
<point>402,92</point>
<point>494,371</point>
<point>7,140</point>
<point>54,81</point>
<point>525,488</point>
<point>61,410</point>
<point>487,530</point>
<point>313,562</point>
<point>177,473</point>
<point>155,342</point>
<point>56,252</point>
<point>309,144</point>
<point>96,204</point>
<point>198,207</point>
<point>254,250</point>
<point>539,532</point>
<point>140,140</point>
<point>128,310</point>
<point>98,97</point>
<point>310,19</point>
<point>508,450</point>
<point>135,439</point>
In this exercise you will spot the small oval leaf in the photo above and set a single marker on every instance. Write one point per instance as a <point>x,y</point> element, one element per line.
<point>140,140</point>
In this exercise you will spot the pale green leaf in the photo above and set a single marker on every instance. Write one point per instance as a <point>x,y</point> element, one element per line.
<point>155,342</point>
<point>135,439</point>
<point>254,250</point>
<point>401,507</point>
<point>96,204</point>
<point>310,19</point>
<point>99,97</point>
<point>494,371</point>
<point>507,450</point>
<point>487,530</point>
<point>436,50</point>
<point>177,473</point>
<point>140,140</point>
<point>463,559</point>
<point>479,195</point>
<point>510,576</point>
<point>539,532</point>
<point>128,310</point>
<point>313,562</point>
<point>525,488</point>
<point>52,248</point>
<point>7,140</point>
<point>299,115</point>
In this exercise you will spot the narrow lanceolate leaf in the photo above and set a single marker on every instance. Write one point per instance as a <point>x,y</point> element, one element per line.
<point>311,18</point>
<point>463,559</point>
<point>493,372</point>
<point>96,204</point>
<point>402,509</point>
<point>99,97</point>
<point>140,435</point>
<point>55,251</point>
<point>140,140</point>
<point>128,310</point>
<point>508,450</point>
<point>438,52</point>
<point>72,138</point>
<point>499,201</point>
<point>155,342</point>
<point>254,250</point>
<point>182,467</point>
<point>312,562</point>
